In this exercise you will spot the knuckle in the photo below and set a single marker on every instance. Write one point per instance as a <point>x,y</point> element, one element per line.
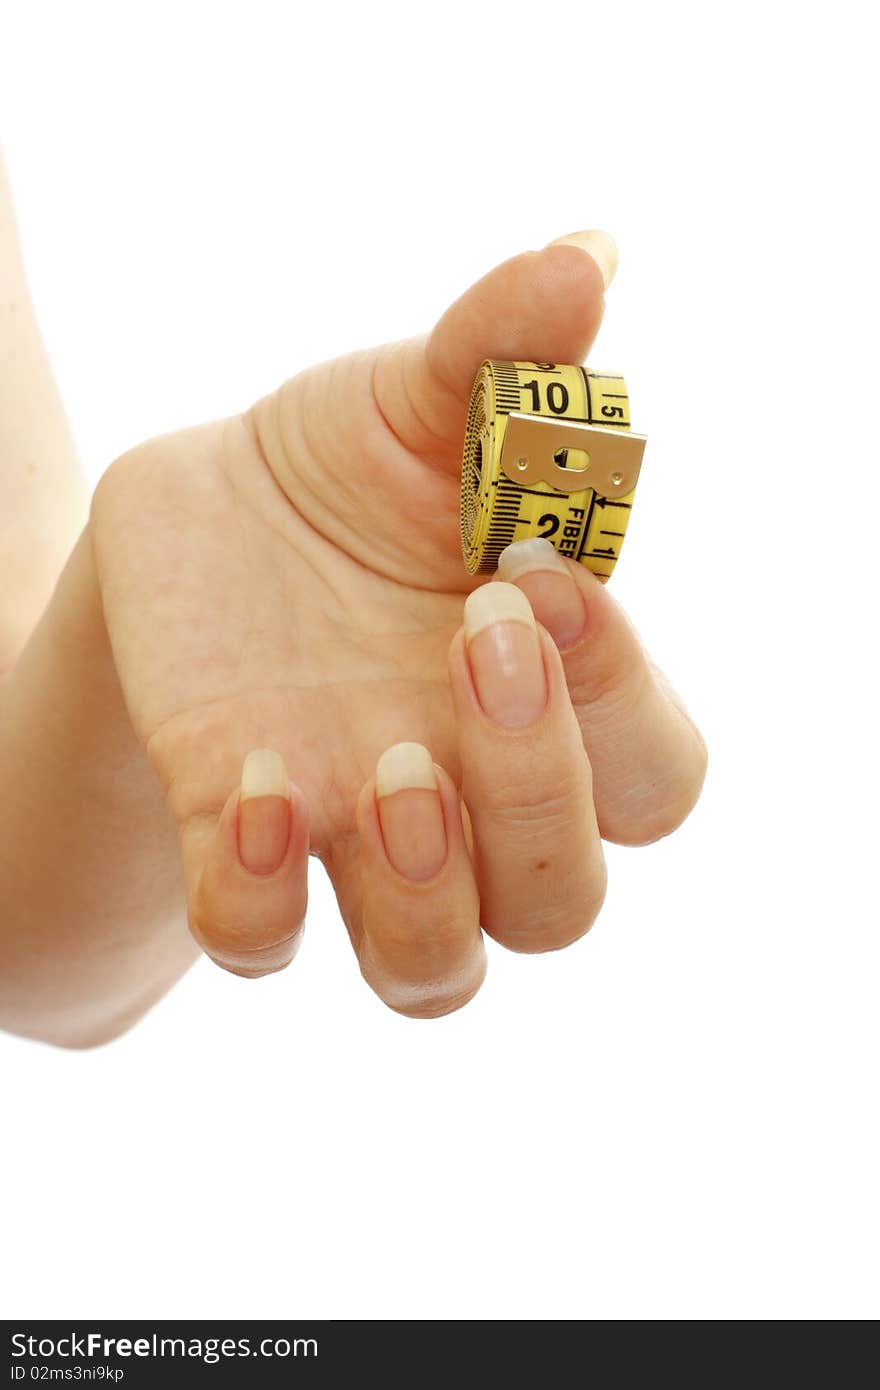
<point>649,827</point>
<point>536,800</point>
<point>663,811</point>
<point>551,926</point>
<point>545,933</point>
<point>253,946</point>
<point>434,1003</point>
<point>113,477</point>
<point>117,482</point>
<point>252,968</point>
<point>417,984</point>
<point>610,690</point>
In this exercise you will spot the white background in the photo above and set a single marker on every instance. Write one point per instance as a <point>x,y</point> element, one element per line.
<point>676,1118</point>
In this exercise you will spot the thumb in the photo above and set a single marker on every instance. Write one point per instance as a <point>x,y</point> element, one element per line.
<point>537,306</point>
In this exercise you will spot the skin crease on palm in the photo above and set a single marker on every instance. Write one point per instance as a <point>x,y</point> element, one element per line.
<point>292,578</point>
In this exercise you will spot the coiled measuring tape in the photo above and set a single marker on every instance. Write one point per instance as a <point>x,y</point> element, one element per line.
<point>548,452</point>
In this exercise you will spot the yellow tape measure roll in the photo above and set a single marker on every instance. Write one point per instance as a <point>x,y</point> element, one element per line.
<point>548,451</point>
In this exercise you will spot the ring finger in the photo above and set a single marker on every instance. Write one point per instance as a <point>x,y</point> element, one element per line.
<point>413,910</point>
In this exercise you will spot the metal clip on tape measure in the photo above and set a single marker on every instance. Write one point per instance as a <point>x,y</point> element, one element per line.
<point>547,452</point>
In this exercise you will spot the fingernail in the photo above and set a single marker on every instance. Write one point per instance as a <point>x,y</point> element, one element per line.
<point>599,245</point>
<point>505,654</point>
<point>410,811</point>
<point>263,811</point>
<point>546,579</point>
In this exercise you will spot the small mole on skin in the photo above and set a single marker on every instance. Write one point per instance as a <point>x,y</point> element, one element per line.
<point>541,864</point>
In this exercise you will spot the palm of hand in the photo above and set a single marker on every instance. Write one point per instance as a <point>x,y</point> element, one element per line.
<point>252,601</point>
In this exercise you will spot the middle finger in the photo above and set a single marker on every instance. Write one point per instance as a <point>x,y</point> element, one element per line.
<point>526,779</point>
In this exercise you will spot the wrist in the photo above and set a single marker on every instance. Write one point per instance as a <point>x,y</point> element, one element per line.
<point>93,927</point>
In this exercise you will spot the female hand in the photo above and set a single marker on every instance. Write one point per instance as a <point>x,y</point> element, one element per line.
<point>285,596</point>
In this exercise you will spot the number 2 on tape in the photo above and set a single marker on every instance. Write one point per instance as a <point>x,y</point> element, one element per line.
<point>548,452</point>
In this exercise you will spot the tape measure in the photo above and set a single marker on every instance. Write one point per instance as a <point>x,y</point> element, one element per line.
<point>548,452</point>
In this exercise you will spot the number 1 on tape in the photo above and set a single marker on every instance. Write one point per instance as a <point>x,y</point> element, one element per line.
<point>548,452</point>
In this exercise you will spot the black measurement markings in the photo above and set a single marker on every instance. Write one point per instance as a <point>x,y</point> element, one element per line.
<point>548,496</point>
<point>589,419</point>
<point>612,533</point>
<point>609,502</point>
<point>507,388</point>
<point>586,531</point>
<point>503,522</point>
